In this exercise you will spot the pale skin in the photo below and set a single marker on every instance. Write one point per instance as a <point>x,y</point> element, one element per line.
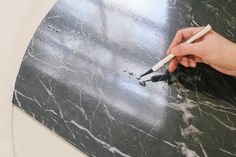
<point>213,49</point>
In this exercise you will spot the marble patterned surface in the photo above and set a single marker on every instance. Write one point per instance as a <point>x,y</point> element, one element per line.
<point>78,78</point>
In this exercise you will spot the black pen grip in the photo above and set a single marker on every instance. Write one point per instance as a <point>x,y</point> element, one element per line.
<point>164,77</point>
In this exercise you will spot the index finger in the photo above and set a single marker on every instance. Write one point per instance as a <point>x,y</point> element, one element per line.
<point>182,35</point>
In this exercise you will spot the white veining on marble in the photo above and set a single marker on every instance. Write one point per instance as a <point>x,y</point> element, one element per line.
<point>203,150</point>
<point>185,150</point>
<point>190,131</point>
<point>227,152</point>
<point>79,49</point>
<point>105,145</point>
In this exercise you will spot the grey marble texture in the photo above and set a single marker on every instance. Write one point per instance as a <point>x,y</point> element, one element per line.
<point>78,78</point>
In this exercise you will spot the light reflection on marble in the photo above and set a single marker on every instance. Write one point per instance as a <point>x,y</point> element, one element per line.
<point>76,79</point>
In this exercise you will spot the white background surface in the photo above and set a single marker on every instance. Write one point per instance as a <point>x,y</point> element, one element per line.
<point>18,22</point>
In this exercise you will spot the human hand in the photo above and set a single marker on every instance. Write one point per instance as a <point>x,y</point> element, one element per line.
<point>212,49</point>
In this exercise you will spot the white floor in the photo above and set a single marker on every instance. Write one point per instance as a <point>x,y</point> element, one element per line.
<point>34,140</point>
<point>18,22</point>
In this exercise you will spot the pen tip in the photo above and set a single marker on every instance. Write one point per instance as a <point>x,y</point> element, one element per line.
<point>143,83</point>
<point>147,72</point>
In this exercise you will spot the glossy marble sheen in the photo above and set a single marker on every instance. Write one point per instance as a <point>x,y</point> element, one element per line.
<point>78,78</point>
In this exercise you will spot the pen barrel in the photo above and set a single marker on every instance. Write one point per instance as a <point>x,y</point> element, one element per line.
<point>158,78</point>
<point>199,34</point>
<point>163,62</point>
<point>195,37</point>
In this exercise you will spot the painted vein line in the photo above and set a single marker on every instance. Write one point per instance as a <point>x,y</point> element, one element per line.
<point>105,145</point>
<point>147,134</point>
<point>222,123</point>
<point>203,150</point>
<point>220,110</point>
<point>46,63</point>
<point>227,152</point>
<point>16,92</point>
<point>18,102</point>
<point>52,96</point>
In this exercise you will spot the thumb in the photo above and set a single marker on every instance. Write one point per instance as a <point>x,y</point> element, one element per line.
<point>186,49</point>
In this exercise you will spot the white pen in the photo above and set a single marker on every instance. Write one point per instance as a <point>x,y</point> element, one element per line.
<point>195,37</point>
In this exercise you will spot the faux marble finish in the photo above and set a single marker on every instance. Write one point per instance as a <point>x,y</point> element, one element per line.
<point>78,78</point>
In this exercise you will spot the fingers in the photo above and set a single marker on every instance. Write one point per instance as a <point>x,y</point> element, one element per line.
<point>198,59</point>
<point>182,35</point>
<point>187,49</point>
<point>185,61</point>
<point>224,70</point>
<point>192,63</point>
<point>181,50</point>
<point>173,65</point>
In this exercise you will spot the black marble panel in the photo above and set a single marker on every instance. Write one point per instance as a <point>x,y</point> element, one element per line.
<point>78,78</point>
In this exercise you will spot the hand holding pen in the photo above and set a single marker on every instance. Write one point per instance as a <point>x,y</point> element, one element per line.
<point>212,49</point>
<point>201,45</point>
<point>198,35</point>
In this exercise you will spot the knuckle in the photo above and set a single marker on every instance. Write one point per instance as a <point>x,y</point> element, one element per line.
<point>179,32</point>
<point>180,48</point>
